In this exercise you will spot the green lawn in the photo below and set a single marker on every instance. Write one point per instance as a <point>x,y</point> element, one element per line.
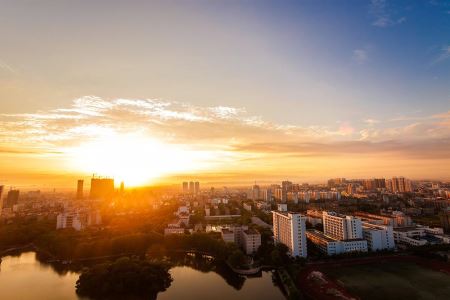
<point>392,281</point>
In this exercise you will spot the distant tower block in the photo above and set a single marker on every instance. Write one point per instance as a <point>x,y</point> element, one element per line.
<point>80,189</point>
<point>122,187</point>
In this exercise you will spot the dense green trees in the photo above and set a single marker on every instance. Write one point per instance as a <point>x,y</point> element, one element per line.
<point>124,277</point>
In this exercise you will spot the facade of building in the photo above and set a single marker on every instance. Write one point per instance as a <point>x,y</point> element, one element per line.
<point>341,227</point>
<point>290,229</point>
<point>227,235</point>
<point>379,237</point>
<point>196,187</point>
<point>185,187</point>
<point>12,198</point>
<point>102,188</point>
<point>420,235</point>
<point>78,220</point>
<point>251,240</point>
<point>330,246</point>
<point>80,189</point>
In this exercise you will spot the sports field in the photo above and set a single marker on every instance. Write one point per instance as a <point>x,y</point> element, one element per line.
<point>395,280</point>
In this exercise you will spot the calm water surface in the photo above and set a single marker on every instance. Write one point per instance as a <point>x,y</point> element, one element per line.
<point>24,277</point>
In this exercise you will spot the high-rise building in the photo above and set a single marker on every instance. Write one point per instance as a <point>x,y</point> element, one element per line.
<point>286,186</point>
<point>12,198</point>
<point>379,237</point>
<point>399,185</point>
<point>290,230</point>
<point>1,199</point>
<point>267,195</point>
<point>80,189</point>
<point>185,187</point>
<point>102,188</point>
<point>341,227</point>
<point>122,187</point>
<point>255,192</point>
<point>336,181</point>
<point>351,188</point>
<point>196,187</point>
<point>191,187</point>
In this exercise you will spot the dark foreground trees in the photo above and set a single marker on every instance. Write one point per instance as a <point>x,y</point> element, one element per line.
<point>124,278</point>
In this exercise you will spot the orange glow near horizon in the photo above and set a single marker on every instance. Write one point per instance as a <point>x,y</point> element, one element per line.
<point>135,159</point>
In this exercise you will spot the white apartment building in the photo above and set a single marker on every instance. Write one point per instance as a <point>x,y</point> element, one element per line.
<point>420,235</point>
<point>78,220</point>
<point>379,237</point>
<point>341,227</point>
<point>290,229</point>
<point>330,246</point>
<point>248,239</point>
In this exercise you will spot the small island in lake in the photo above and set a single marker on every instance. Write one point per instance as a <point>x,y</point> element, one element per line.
<point>124,277</point>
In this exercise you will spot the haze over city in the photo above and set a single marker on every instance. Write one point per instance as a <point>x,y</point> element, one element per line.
<point>151,92</point>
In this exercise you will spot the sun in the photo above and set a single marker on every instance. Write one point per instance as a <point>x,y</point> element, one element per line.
<point>135,159</point>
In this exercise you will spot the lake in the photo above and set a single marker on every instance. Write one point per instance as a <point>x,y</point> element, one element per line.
<point>24,277</point>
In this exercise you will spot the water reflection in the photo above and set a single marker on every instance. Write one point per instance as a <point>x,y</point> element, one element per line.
<point>28,276</point>
<point>24,277</point>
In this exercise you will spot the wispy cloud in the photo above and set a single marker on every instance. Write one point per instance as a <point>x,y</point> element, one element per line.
<point>236,137</point>
<point>443,55</point>
<point>371,122</point>
<point>382,14</point>
<point>6,67</point>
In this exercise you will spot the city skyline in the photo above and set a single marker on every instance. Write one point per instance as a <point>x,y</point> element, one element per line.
<point>252,90</point>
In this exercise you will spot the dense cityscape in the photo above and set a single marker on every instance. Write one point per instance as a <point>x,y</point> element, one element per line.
<point>290,228</point>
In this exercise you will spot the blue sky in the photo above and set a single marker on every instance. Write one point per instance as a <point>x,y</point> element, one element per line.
<point>251,82</point>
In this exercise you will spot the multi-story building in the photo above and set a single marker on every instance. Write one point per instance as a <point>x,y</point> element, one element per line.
<point>1,199</point>
<point>12,198</point>
<point>267,195</point>
<point>191,187</point>
<point>379,237</point>
<point>341,227</point>
<point>251,240</point>
<point>102,188</point>
<point>394,219</point>
<point>399,185</point>
<point>255,192</point>
<point>185,187</point>
<point>196,187</point>
<point>330,246</point>
<point>227,235</point>
<point>290,229</point>
<point>420,235</point>
<point>280,194</point>
<point>78,220</point>
<point>80,189</point>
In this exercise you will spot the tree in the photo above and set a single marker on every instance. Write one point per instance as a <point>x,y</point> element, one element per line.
<point>124,277</point>
<point>237,258</point>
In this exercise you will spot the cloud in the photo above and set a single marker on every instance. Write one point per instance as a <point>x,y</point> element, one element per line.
<point>237,140</point>
<point>371,122</point>
<point>6,67</point>
<point>382,14</point>
<point>360,56</point>
<point>443,55</point>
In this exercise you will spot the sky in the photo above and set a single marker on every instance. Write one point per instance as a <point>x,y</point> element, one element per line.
<point>223,91</point>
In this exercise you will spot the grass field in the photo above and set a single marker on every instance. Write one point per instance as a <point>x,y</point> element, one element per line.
<point>392,281</point>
